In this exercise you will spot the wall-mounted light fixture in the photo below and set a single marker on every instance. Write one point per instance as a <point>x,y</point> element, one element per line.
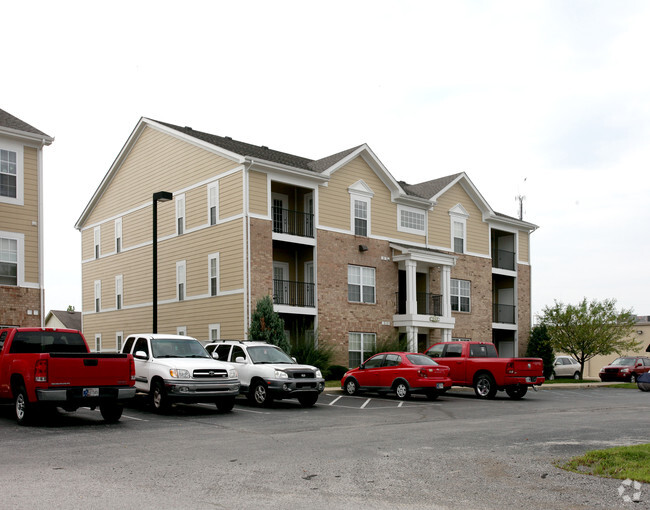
<point>363,247</point>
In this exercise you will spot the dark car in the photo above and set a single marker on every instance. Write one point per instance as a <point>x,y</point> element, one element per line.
<point>625,368</point>
<point>643,382</point>
<point>400,372</point>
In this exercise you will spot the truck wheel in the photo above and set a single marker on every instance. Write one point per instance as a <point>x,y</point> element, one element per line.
<point>484,387</point>
<point>308,400</point>
<point>351,387</point>
<point>402,390</point>
<point>259,395</point>
<point>111,412</point>
<point>24,410</point>
<point>633,378</point>
<point>516,392</point>
<point>159,398</point>
<point>225,404</point>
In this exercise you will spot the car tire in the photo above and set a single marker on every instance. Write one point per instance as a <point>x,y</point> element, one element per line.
<point>402,389</point>
<point>485,387</point>
<point>159,398</point>
<point>111,412</point>
<point>24,410</point>
<point>259,395</point>
<point>351,387</point>
<point>576,376</point>
<point>308,400</point>
<point>633,378</point>
<point>517,391</point>
<point>552,376</point>
<point>225,404</point>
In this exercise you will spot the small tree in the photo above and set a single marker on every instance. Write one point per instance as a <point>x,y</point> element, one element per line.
<point>539,346</point>
<point>589,329</point>
<point>267,325</point>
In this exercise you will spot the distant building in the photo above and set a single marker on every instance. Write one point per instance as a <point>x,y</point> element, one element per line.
<point>63,319</point>
<point>342,247</point>
<point>21,222</point>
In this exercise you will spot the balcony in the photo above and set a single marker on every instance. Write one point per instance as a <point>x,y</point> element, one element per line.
<point>290,293</point>
<point>427,303</point>
<point>504,314</point>
<point>503,259</point>
<point>294,223</point>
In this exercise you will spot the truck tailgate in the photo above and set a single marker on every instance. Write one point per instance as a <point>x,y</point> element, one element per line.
<point>69,369</point>
<point>528,367</point>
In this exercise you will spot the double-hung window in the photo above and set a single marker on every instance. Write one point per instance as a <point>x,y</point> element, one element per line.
<point>460,295</point>
<point>8,174</point>
<point>98,296</point>
<point>361,284</point>
<point>360,217</point>
<point>213,269</point>
<point>8,261</point>
<point>459,237</point>
<point>180,214</point>
<point>213,202</point>
<point>180,280</point>
<point>360,346</point>
<point>96,242</point>
<point>118,235</point>
<point>118,291</point>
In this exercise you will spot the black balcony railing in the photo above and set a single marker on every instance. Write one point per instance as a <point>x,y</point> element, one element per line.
<point>427,304</point>
<point>503,259</point>
<point>295,223</point>
<point>290,293</point>
<point>504,314</point>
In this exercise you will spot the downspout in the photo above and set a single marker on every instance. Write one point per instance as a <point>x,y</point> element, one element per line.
<point>41,248</point>
<point>247,275</point>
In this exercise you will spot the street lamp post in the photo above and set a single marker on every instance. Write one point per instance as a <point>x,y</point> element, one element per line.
<point>159,196</point>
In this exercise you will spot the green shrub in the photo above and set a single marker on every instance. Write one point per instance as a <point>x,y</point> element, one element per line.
<point>307,351</point>
<point>335,372</point>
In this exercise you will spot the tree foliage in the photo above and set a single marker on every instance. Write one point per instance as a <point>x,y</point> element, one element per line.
<point>539,346</point>
<point>589,329</point>
<point>267,325</point>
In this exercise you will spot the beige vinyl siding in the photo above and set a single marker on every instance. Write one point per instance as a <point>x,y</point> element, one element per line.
<point>258,193</point>
<point>523,254</point>
<point>137,226</point>
<point>196,207</point>
<point>231,193</point>
<point>334,203</point>
<point>87,243</point>
<point>107,238</point>
<point>194,315</point>
<point>477,233</point>
<point>156,162</point>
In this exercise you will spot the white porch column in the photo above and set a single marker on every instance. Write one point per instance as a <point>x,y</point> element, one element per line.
<point>445,289</point>
<point>412,338</point>
<point>446,335</point>
<point>411,295</point>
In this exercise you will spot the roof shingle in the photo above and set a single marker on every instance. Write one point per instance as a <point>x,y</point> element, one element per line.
<point>9,121</point>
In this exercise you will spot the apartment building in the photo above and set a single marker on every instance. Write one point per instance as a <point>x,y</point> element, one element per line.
<point>21,222</point>
<point>342,247</point>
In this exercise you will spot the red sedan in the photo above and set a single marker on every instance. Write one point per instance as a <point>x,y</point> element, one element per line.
<point>401,372</point>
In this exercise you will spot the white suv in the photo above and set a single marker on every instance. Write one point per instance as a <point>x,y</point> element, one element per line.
<point>174,368</point>
<point>565,366</point>
<point>267,372</point>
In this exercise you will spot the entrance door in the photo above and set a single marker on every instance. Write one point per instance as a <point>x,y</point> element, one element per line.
<point>281,283</point>
<point>280,213</point>
<point>309,285</point>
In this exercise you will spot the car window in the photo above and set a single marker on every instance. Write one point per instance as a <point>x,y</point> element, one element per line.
<point>127,346</point>
<point>374,362</point>
<point>453,351</point>
<point>3,335</point>
<point>260,354</point>
<point>478,351</point>
<point>238,352</point>
<point>420,359</point>
<point>436,351</point>
<point>222,351</point>
<point>646,362</point>
<point>392,360</point>
<point>625,362</point>
<point>141,345</point>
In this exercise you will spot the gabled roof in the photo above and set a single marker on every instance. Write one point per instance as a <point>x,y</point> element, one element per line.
<point>71,320</point>
<point>428,189</point>
<point>15,125</point>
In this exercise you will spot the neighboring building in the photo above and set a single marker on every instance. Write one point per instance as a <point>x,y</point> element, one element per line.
<point>640,334</point>
<point>342,247</point>
<point>63,319</point>
<point>21,222</point>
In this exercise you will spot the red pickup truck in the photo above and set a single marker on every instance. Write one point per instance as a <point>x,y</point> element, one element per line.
<point>54,367</point>
<point>477,364</point>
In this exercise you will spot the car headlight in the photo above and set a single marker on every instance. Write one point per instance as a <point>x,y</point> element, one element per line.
<point>180,373</point>
<point>625,370</point>
<point>279,374</point>
<point>232,373</point>
<point>318,374</point>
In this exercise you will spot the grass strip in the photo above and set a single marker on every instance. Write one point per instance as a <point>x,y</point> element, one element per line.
<point>621,462</point>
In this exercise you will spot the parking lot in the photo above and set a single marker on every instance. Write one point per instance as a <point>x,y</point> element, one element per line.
<point>345,452</point>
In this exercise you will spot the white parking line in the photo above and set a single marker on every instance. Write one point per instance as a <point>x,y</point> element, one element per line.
<point>365,403</point>
<point>133,418</point>
<point>401,404</point>
<point>238,409</point>
<point>335,400</point>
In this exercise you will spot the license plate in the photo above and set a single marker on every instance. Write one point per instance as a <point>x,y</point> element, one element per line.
<point>90,392</point>
<point>440,385</point>
<point>531,379</point>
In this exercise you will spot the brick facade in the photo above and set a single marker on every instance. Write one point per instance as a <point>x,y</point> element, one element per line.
<point>261,259</point>
<point>16,302</point>
<point>523,307</point>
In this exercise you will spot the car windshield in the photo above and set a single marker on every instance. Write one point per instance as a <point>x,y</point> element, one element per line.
<point>626,362</point>
<point>268,354</point>
<point>420,359</point>
<point>177,348</point>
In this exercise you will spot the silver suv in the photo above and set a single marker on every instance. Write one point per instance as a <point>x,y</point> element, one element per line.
<point>565,366</point>
<point>267,372</point>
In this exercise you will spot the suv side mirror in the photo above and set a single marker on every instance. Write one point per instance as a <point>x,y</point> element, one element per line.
<point>240,359</point>
<point>215,355</point>
<point>141,355</point>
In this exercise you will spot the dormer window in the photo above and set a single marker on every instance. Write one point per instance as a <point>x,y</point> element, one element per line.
<point>458,218</point>
<point>360,198</point>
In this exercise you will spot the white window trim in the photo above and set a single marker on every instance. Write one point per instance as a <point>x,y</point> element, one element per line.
<point>460,215</point>
<point>361,285</point>
<point>413,210</point>
<point>181,279</point>
<point>18,148</point>
<point>362,351</point>
<point>459,296</point>
<point>97,242</point>
<point>119,341</point>
<point>20,255</point>
<point>181,330</point>
<point>360,191</point>
<point>180,213</point>
<point>97,301</point>
<point>98,342</point>
<point>118,236</point>
<point>214,327</point>
<point>211,257</point>
<point>213,186</point>
<point>358,198</point>
<point>119,291</point>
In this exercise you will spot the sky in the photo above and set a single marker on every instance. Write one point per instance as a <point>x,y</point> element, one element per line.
<point>549,100</point>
